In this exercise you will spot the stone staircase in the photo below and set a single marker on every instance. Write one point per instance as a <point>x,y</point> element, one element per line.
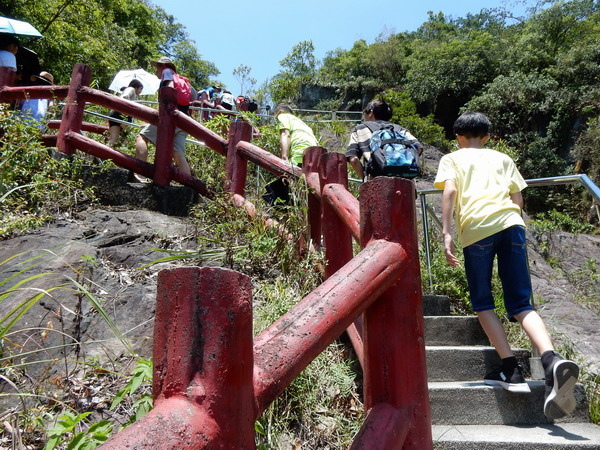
<point>467,414</point>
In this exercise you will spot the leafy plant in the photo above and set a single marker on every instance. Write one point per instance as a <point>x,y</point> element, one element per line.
<point>423,128</point>
<point>66,426</point>
<point>554,220</point>
<point>34,186</point>
<point>141,373</point>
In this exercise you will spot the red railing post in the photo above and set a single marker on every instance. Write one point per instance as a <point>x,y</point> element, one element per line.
<point>203,364</point>
<point>74,105</point>
<point>393,332</point>
<point>337,237</point>
<point>165,135</point>
<point>237,167</point>
<point>310,169</point>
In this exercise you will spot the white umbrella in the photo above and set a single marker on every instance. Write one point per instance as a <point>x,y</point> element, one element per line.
<point>18,28</point>
<point>123,78</point>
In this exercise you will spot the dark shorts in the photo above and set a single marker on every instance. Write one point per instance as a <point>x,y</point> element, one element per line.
<point>119,116</point>
<point>510,247</point>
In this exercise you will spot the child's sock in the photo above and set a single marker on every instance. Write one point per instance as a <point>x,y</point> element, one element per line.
<point>509,364</point>
<point>547,358</point>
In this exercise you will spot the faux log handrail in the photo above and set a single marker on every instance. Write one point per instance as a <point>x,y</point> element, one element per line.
<point>267,160</point>
<point>345,205</point>
<point>294,340</point>
<point>212,380</point>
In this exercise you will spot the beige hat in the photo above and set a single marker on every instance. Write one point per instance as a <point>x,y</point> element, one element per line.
<point>164,61</point>
<point>46,76</point>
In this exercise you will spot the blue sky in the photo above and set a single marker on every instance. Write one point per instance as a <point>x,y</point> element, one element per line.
<point>261,33</point>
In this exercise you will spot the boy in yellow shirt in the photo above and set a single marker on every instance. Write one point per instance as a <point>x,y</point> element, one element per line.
<point>484,187</point>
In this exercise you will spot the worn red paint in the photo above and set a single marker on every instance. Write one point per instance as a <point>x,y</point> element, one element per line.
<point>203,364</point>
<point>74,104</point>
<point>345,206</point>
<point>267,161</point>
<point>385,428</point>
<point>85,126</point>
<point>310,169</point>
<point>95,148</point>
<point>395,373</point>
<point>236,166</point>
<point>283,350</point>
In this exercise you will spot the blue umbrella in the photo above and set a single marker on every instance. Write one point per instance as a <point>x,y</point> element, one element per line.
<point>18,28</point>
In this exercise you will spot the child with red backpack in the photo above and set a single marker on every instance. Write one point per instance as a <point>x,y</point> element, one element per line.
<point>166,71</point>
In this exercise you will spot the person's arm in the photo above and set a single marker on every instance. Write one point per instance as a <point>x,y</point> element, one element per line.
<point>517,199</point>
<point>206,103</point>
<point>285,143</point>
<point>354,161</point>
<point>448,201</point>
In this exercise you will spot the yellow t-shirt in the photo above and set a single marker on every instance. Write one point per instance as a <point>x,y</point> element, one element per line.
<point>484,180</point>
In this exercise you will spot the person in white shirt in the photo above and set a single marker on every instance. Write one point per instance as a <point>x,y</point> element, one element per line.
<point>9,46</point>
<point>36,108</point>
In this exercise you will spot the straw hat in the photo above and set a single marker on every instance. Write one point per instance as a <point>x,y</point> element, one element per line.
<point>46,77</point>
<point>164,61</point>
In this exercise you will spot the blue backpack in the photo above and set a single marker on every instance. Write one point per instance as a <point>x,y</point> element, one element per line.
<point>393,154</point>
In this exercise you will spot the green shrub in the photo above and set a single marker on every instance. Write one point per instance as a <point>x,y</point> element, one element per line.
<point>554,220</point>
<point>34,185</point>
<point>423,128</point>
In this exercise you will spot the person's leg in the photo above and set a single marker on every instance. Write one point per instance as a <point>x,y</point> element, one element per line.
<point>179,152</point>
<point>113,135</point>
<point>535,328</point>
<point>479,260</point>
<point>148,134</point>
<point>141,147</point>
<point>560,374</point>
<point>182,163</point>
<point>495,332</point>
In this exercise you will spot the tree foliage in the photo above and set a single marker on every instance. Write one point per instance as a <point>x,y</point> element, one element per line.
<point>242,75</point>
<point>299,68</point>
<point>107,35</point>
<point>537,77</point>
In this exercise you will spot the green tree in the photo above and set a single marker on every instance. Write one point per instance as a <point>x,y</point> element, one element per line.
<point>447,73</point>
<point>190,64</point>
<point>300,61</point>
<point>242,75</point>
<point>107,35</point>
<point>299,68</point>
<point>405,114</point>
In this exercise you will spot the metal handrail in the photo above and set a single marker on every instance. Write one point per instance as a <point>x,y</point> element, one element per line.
<point>583,179</point>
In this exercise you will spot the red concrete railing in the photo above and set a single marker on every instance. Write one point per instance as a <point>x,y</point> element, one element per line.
<point>212,379</point>
<point>69,138</point>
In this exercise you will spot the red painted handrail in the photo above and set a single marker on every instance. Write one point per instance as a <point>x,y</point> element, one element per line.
<point>212,380</point>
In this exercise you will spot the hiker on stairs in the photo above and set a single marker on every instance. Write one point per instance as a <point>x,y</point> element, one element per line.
<point>484,187</point>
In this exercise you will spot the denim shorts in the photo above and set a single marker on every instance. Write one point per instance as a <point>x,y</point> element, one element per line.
<point>510,247</point>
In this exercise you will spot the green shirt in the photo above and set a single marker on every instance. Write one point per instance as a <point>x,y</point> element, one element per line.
<point>301,136</point>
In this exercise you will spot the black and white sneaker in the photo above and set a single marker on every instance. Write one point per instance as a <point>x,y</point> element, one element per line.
<point>513,383</point>
<point>561,377</point>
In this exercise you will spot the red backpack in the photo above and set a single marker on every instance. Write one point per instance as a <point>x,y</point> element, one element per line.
<point>184,89</point>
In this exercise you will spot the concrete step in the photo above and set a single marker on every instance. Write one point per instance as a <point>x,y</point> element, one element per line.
<point>454,330</point>
<point>466,363</point>
<point>517,437</point>
<point>436,305</point>
<point>474,403</point>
